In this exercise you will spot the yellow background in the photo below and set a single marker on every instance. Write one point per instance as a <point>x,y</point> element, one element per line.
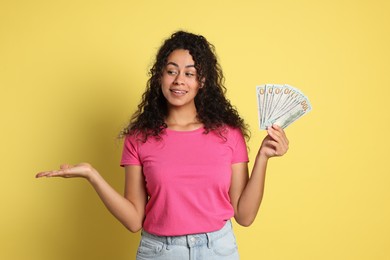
<point>72,72</point>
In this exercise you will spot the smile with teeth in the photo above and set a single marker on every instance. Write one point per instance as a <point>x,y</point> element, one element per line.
<point>178,91</point>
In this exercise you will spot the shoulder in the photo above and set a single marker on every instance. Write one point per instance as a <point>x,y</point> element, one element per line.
<point>141,137</point>
<point>136,144</point>
<point>134,141</point>
<point>228,134</point>
<point>231,132</point>
<point>131,139</point>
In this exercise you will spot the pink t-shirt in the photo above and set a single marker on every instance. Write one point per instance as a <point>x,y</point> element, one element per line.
<point>188,175</point>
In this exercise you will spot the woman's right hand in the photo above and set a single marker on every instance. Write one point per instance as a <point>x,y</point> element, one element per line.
<point>83,170</point>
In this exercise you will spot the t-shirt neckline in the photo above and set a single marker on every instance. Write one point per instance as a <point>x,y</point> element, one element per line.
<point>200,129</point>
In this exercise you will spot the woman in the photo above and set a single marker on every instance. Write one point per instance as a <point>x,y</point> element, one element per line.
<point>185,160</point>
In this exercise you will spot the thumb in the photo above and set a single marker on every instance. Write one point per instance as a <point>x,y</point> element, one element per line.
<point>65,166</point>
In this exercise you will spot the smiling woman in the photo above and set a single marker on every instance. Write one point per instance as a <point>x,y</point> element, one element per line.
<point>185,61</point>
<point>179,83</point>
<point>185,160</point>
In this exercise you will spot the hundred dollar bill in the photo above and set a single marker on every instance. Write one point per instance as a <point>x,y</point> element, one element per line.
<point>291,115</point>
<point>260,103</point>
<point>280,104</point>
<point>276,101</point>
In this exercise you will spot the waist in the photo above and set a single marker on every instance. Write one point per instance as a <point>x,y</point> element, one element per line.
<point>192,240</point>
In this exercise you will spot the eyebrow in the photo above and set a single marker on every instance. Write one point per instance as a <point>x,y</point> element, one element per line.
<point>174,64</point>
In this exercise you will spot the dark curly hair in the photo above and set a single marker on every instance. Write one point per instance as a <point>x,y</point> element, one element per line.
<point>213,109</point>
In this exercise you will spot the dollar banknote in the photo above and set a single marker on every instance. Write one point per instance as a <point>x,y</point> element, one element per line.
<point>280,104</point>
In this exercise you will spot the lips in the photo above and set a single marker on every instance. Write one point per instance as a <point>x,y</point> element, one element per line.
<point>178,91</point>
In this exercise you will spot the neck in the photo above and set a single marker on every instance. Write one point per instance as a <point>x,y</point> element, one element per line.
<point>185,120</point>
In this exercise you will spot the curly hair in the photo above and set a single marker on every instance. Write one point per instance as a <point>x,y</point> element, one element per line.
<point>213,108</point>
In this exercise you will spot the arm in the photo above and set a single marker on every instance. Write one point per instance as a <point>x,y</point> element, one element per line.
<point>128,209</point>
<point>246,192</point>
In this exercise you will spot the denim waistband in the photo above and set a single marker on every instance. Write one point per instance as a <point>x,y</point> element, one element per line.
<point>192,240</point>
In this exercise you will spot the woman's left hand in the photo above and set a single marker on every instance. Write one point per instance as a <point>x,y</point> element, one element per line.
<point>275,143</point>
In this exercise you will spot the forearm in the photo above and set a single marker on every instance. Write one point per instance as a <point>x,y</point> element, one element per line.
<point>252,195</point>
<point>124,210</point>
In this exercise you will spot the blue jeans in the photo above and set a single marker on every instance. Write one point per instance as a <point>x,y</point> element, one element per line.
<point>218,245</point>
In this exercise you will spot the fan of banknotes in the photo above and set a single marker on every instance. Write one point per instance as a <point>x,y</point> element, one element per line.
<point>280,105</point>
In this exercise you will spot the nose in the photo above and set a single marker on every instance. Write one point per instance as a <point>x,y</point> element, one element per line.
<point>179,79</point>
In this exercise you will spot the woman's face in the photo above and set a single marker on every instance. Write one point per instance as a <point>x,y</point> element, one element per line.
<point>179,80</point>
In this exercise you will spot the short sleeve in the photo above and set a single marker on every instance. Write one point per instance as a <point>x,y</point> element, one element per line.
<point>130,155</point>
<point>240,152</point>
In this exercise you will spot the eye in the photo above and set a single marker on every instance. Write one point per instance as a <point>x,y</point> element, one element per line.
<point>190,74</point>
<point>171,72</point>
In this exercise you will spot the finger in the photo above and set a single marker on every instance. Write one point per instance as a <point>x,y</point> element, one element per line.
<point>278,134</point>
<point>281,131</point>
<point>278,149</point>
<point>273,144</point>
<point>41,174</point>
<point>275,134</point>
<point>47,174</point>
<point>60,173</point>
<point>278,130</point>
<point>269,149</point>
